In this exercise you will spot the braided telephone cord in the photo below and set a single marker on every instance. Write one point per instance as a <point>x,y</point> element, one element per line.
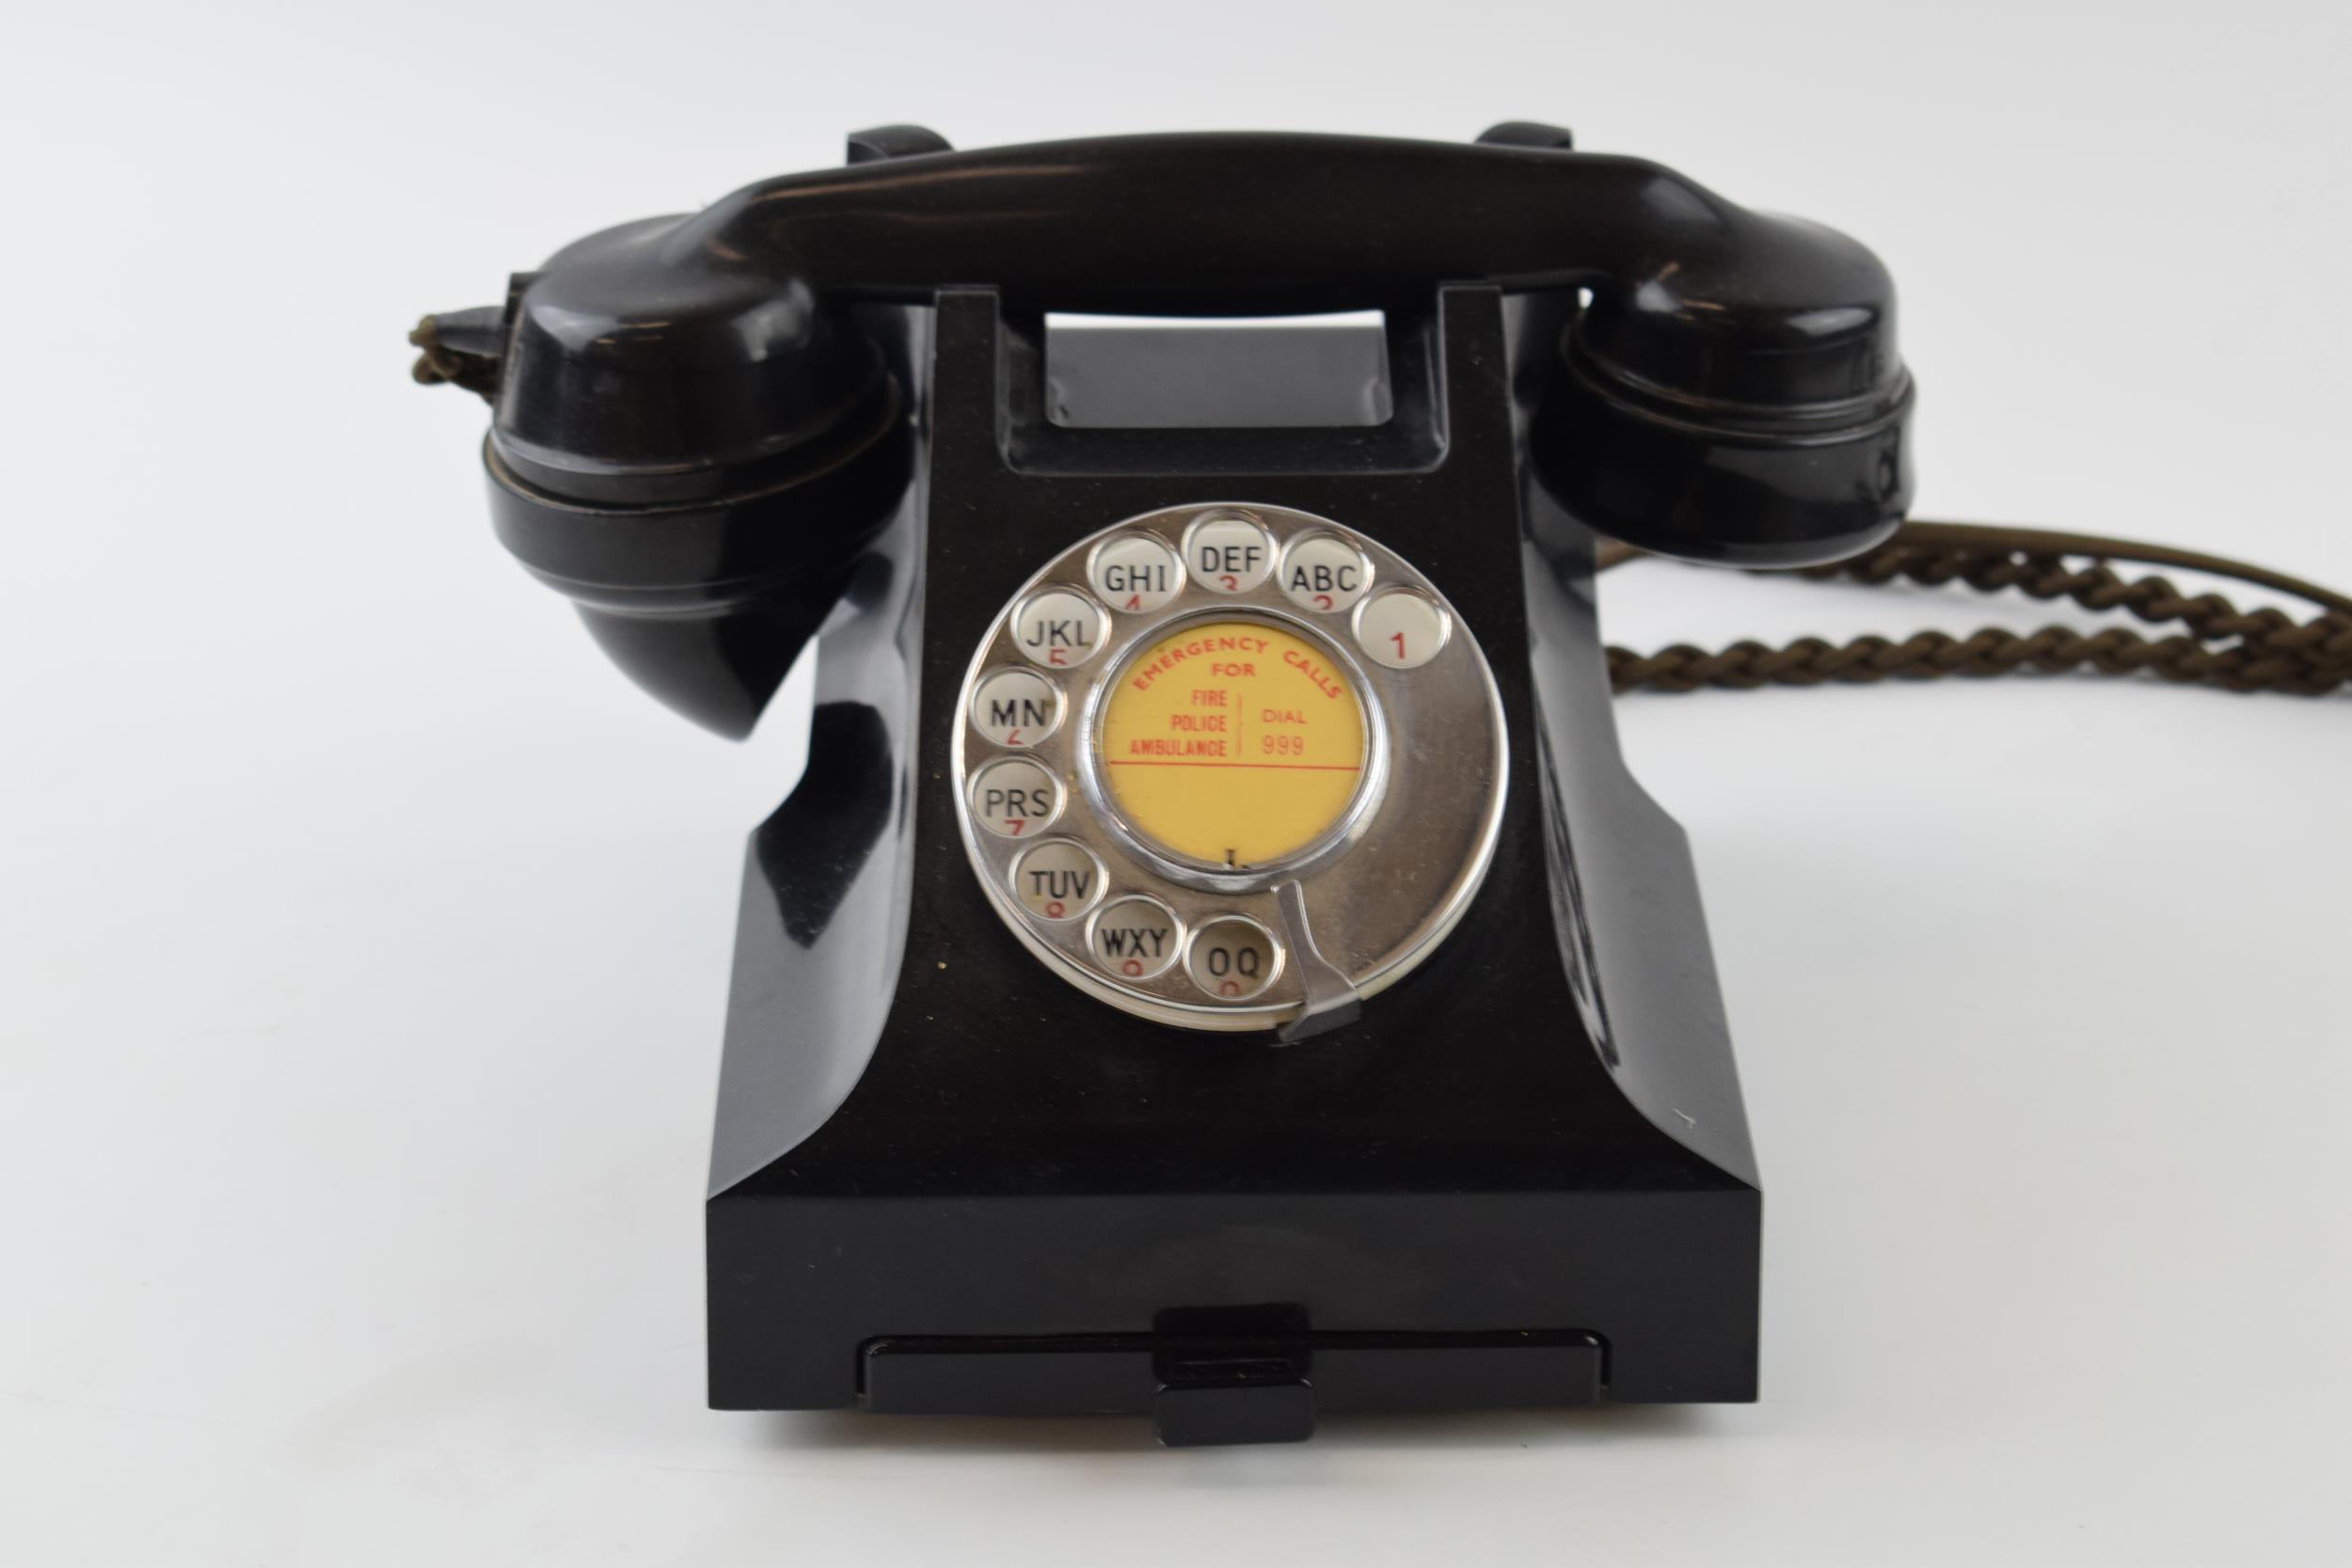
<point>2219,645</point>
<point>437,363</point>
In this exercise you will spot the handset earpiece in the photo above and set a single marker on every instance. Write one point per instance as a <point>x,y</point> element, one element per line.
<point>695,462</point>
<point>694,454</point>
<point>1738,402</point>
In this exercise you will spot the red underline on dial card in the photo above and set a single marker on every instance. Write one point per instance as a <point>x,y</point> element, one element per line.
<point>1278,767</point>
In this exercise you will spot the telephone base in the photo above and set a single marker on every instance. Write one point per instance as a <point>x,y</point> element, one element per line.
<point>1413,1297</point>
<point>944,1180</point>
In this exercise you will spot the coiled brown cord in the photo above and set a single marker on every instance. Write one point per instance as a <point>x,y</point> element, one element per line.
<point>2219,645</point>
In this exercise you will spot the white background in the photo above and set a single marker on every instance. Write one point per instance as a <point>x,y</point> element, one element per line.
<point>366,936</point>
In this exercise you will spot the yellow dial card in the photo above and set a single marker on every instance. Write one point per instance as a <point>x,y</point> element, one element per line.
<point>1234,742</point>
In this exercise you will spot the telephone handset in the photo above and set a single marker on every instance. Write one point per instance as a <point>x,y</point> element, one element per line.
<point>1727,389</point>
<point>1184,691</point>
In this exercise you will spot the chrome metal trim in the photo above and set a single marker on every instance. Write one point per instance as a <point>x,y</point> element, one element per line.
<point>1400,867</point>
<point>1331,998</point>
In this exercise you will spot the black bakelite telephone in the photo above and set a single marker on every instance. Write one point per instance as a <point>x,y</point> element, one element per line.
<point>1184,693</point>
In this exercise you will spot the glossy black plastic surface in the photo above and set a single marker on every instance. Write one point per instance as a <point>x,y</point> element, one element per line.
<point>942,1179</point>
<point>924,1135</point>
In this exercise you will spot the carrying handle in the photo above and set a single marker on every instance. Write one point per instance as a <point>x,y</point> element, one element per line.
<point>1255,223</point>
